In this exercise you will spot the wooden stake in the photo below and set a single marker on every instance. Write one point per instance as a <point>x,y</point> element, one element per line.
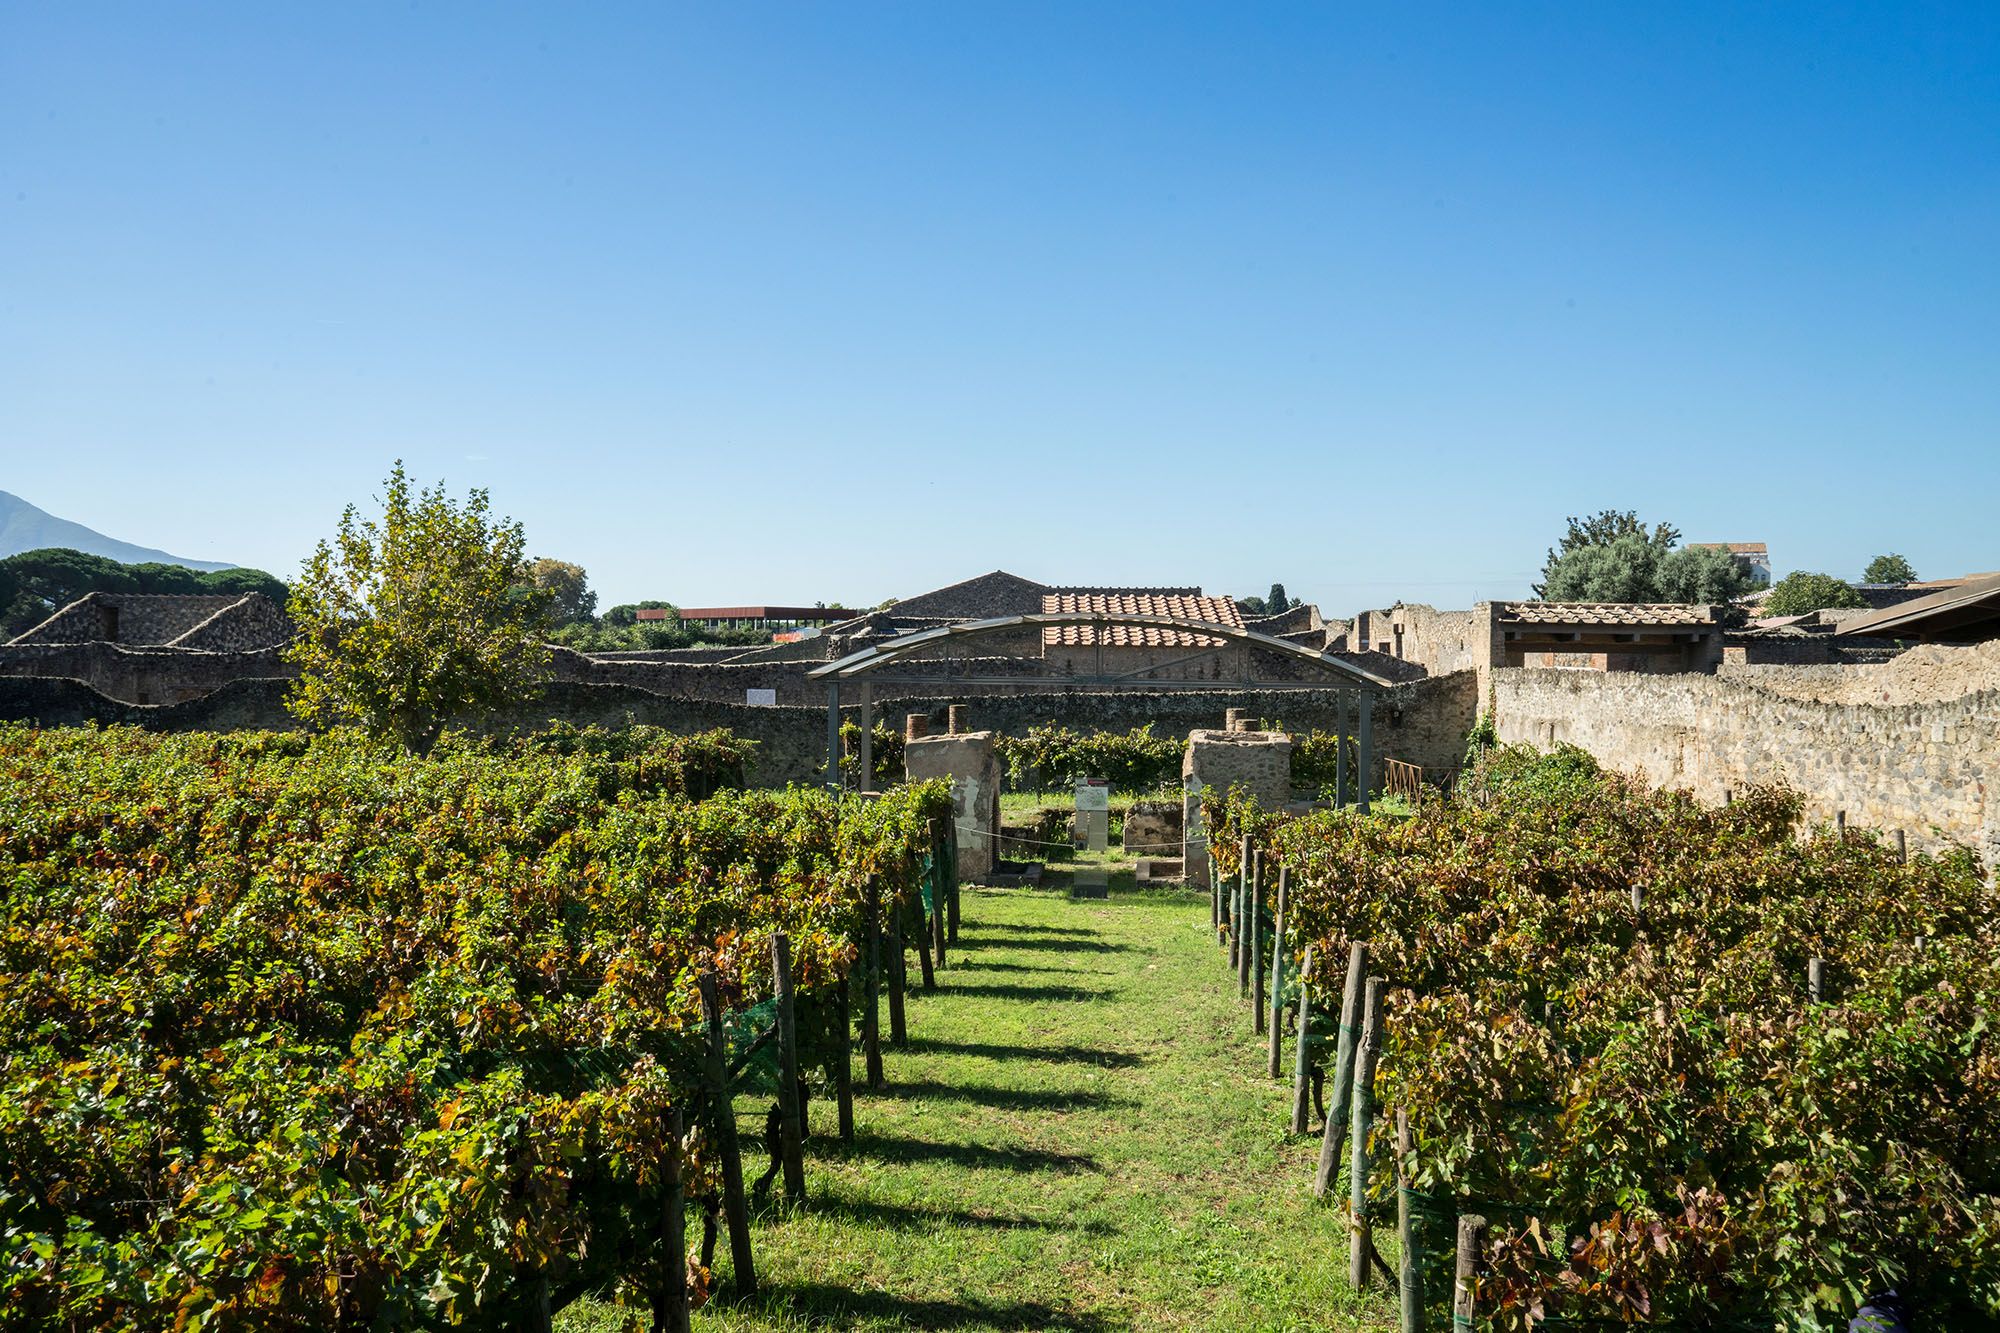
<point>1410,1277</point>
<point>1902,848</point>
<point>1276,1063</point>
<point>1343,1069</point>
<point>924,970</point>
<point>843,1071</point>
<point>1471,1238</point>
<point>899,1032</point>
<point>1816,979</point>
<point>1362,1121</point>
<point>1255,958</point>
<point>1302,1049</point>
<point>723,1116</point>
<point>791,1131</point>
<point>670,1299</point>
<point>951,898</point>
<point>871,1009</point>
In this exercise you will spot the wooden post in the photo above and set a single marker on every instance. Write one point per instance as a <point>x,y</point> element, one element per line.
<point>1410,1275</point>
<point>899,1032</point>
<point>540,1316</point>
<point>1302,1050</point>
<point>1256,955</point>
<point>1638,899</point>
<point>1343,1069</point>
<point>871,1009</point>
<point>951,897</point>
<point>1276,1063</point>
<point>1728,796</point>
<point>1471,1236</point>
<point>791,1132</point>
<point>843,1072</point>
<point>734,1210</point>
<point>1340,749</point>
<point>924,970</point>
<point>1902,848</point>
<point>1816,979</point>
<point>1364,752</point>
<point>670,1299</point>
<point>867,756</point>
<point>938,932</point>
<point>1362,1121</point>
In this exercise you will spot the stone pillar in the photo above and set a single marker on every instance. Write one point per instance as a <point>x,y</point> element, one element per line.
<point>1238,719</point>
<point>1258,761</point>
<point>915,725</point>
<point>969,762</point>
<point>955,719</point>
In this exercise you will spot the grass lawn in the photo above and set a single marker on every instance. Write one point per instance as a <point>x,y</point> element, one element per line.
<point>1079,1136</point>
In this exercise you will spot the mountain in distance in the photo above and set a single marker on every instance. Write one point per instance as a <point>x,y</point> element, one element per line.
<point>26,528</point>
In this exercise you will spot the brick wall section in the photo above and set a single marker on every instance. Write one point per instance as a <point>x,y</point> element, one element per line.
<point>1258,761</point>
<point>968,761</point>
<point>1920,766</point>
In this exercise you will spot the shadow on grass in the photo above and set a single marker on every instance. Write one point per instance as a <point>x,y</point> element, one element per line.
<point>976,965</point>
<point>1007,1099</point>
<point>975,1156</point>
<point>1065,945</point>
<point>1006,990</point>
<point>840,1307</point>
<point>899,1217</point>
<point>1028,928</point>
<point>1054,1055</point>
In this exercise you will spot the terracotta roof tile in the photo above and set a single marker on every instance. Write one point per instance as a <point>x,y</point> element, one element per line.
<point>1606,613</point>
<point>1181,604</point>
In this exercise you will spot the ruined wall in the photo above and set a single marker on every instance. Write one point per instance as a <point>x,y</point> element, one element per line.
<point>140,675</point>
<point>1258,761</point>
<point>967,759</point>
<point>1928,766</point>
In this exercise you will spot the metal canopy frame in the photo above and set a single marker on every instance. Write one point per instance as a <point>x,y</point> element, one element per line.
<point>860,667</point>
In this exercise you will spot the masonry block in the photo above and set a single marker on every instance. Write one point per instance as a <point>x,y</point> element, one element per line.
<point>968,760</point>
<point>1258,761</point>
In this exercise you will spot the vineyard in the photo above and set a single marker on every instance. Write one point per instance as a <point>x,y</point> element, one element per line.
<point>1599,1056</point>
<point>309,1034</point>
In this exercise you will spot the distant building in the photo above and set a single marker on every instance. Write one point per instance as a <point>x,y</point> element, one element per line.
<point>750,617</point>
<point>1755,560</point>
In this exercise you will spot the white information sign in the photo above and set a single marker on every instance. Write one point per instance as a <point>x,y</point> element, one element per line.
<point>761,698</point>
<point>1091,797</point>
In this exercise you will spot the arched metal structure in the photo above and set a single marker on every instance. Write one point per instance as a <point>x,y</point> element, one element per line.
<point>861,666</point>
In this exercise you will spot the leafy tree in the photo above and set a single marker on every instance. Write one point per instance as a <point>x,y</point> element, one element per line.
<point>1625,569</point>
<point>1601,529</point>
<point>1800,592</point>
<point>1890,568</point>
<point>415,621</point>
<point>1276,603</point>
<point>236,582</point>
<point>1703,575</point>
<point>564,589</point>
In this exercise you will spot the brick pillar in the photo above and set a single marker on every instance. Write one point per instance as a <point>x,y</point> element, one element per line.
<point>955,720</point>
<point>916,726</point>
<point>1238,719</point>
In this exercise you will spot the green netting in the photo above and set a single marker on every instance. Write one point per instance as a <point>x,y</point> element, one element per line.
<point>751,1048</point>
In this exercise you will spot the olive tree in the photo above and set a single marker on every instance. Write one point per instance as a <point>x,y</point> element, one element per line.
<point>1801,591</point>
<point>416,620</point>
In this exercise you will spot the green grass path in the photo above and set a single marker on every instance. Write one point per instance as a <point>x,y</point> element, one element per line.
<point>1080,1135</point>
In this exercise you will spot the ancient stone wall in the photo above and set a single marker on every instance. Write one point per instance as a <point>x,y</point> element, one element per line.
<point>1258,761</point>
<point>1929,766</point>
<point>141,675</point>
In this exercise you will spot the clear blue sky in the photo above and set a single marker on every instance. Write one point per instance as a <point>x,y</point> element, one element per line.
<point>767,303</point>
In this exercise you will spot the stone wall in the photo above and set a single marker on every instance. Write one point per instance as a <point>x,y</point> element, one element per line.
<point>141,675</point>
<point>1929,766</point>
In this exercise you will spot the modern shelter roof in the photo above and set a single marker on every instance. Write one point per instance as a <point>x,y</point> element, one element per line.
<point>1971,610</point>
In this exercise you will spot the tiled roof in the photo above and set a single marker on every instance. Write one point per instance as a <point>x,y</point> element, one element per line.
<point>1734,548</point>
<point>1181,604</point>
<point>1606,613</point>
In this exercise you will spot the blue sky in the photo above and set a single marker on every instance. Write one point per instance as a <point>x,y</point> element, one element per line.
<point>767,303</point>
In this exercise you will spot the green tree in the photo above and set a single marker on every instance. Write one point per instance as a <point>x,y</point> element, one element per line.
<point>236,582</point>
<point>565,591</point>
<point>1800,592</point>
<point>1705,575</point>
<point>1276,603</point>
<point>1602,529</point>
<point>413,622</point>
<point>1890,568</point>
<point>1624,569</point>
